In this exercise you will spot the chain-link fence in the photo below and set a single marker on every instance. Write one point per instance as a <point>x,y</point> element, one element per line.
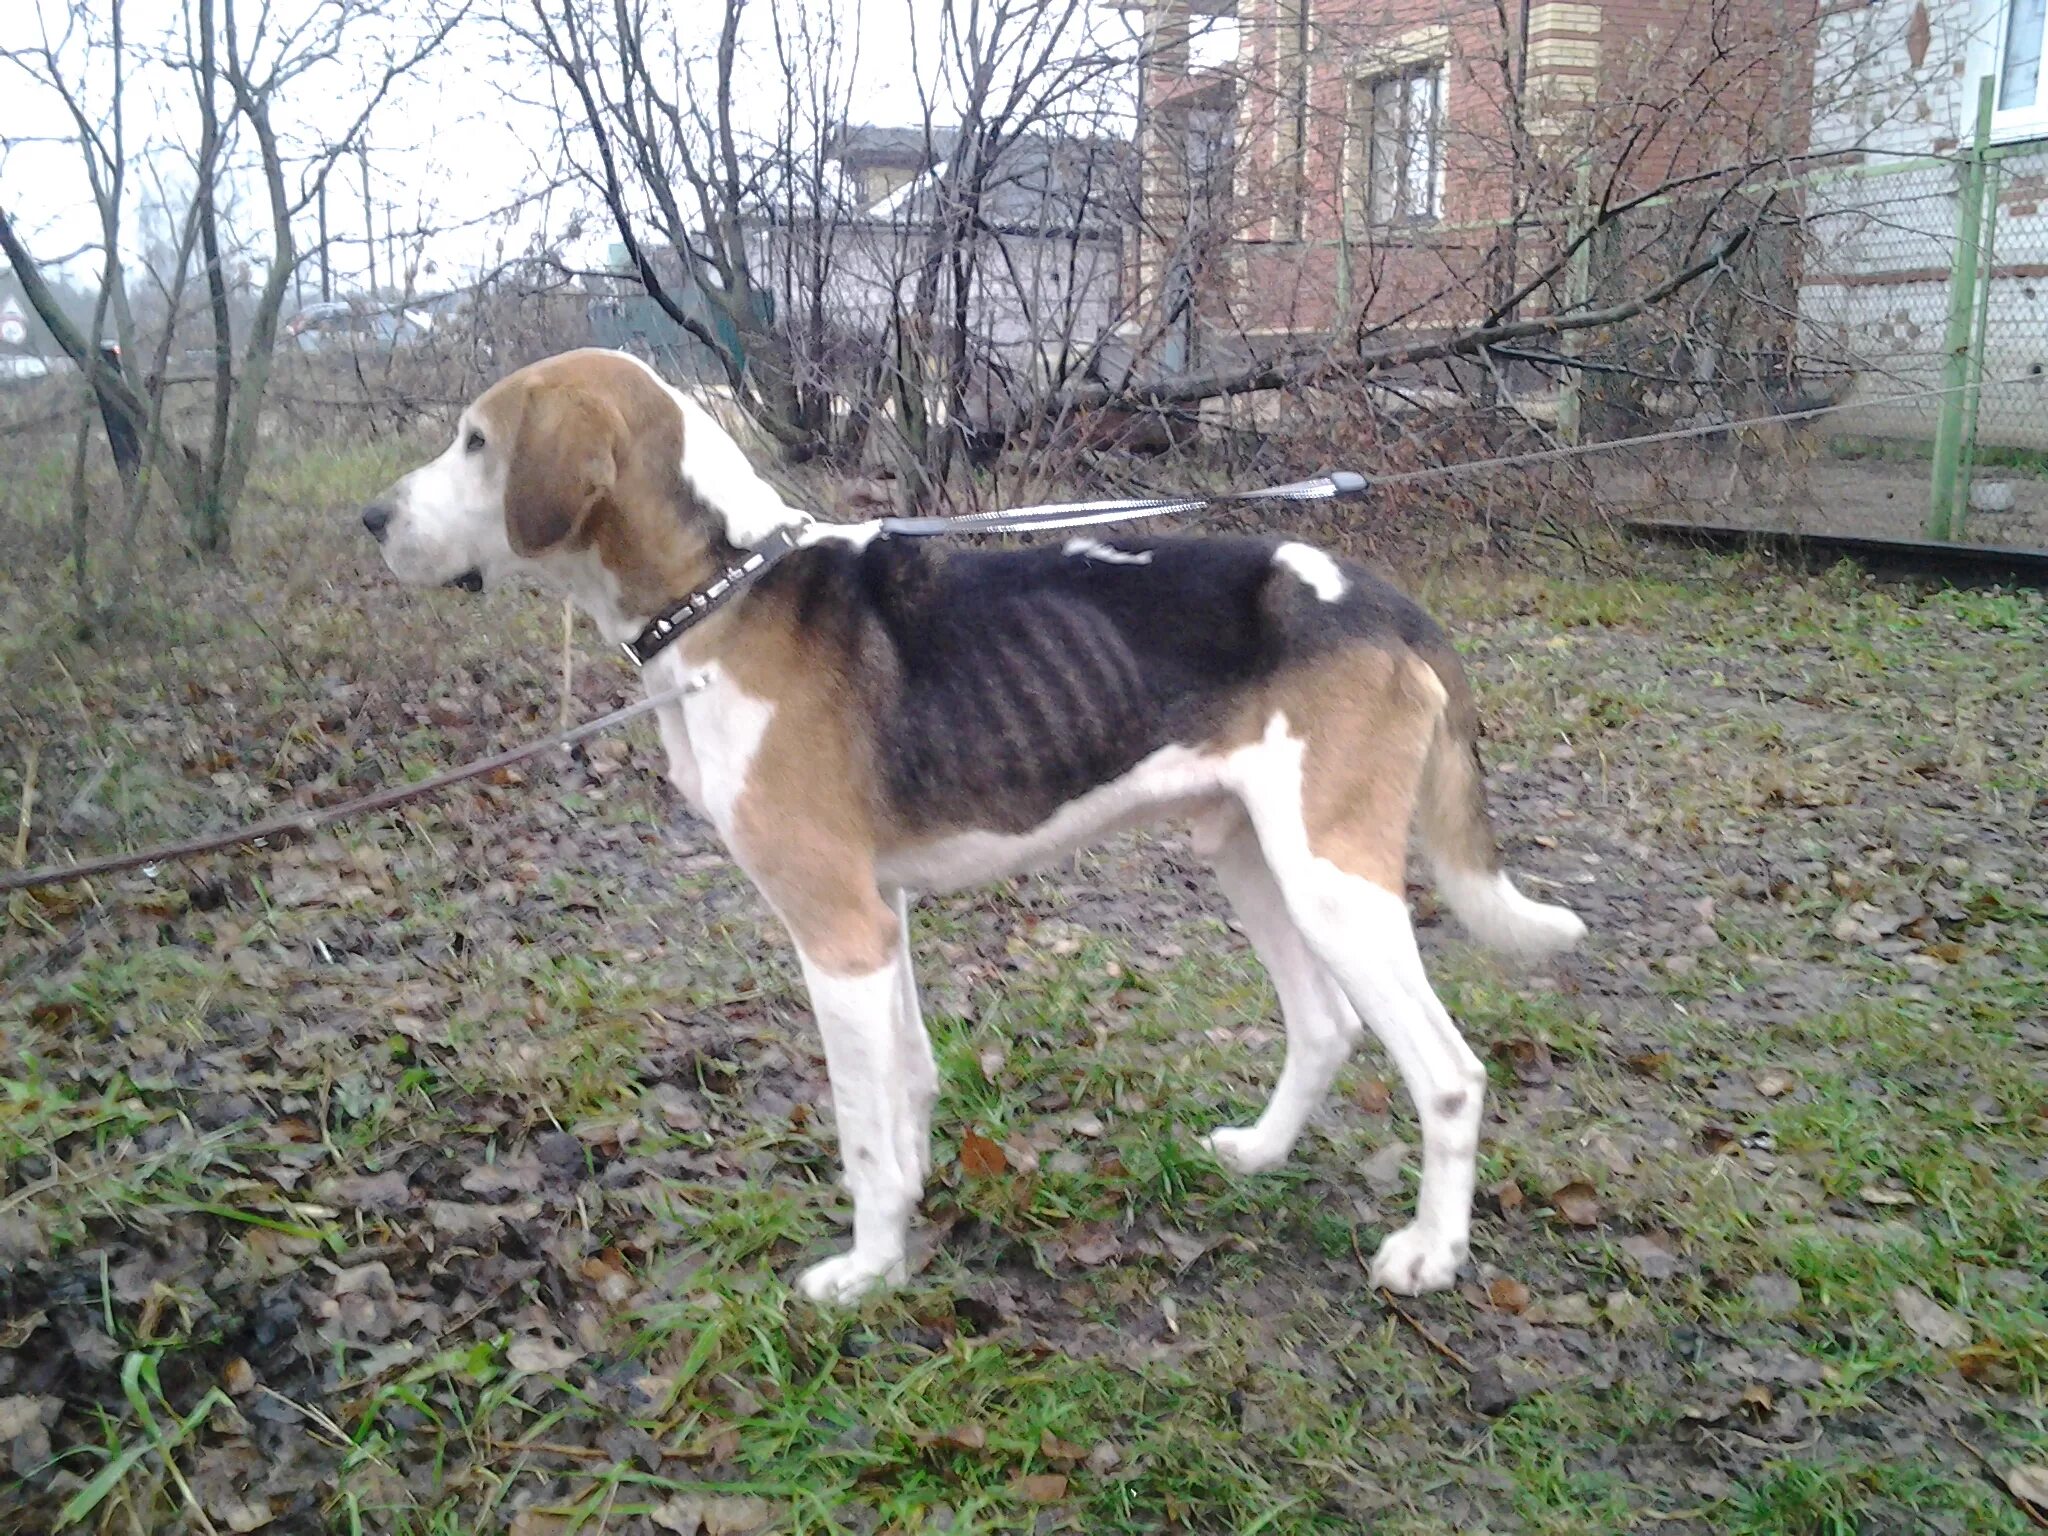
<point>1926,284</point>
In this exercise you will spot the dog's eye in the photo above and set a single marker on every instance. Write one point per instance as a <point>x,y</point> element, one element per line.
<point>474,443</point>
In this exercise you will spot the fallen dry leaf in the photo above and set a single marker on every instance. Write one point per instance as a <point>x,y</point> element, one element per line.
<point>17,1414</point>
<point>1507,1295</point>
<point>1043,1487</point>
<point>1529,1060</point>
<point>1775,1084</point>
<point>1982,1363</point>
<point>981,1158</point>
<point>1383,1169</point>
<point>1652,1256</point>
<point>1757,1399</point>
<point>2030,1485</point>
<point>1507,1194</point>
<point>1877,1194</point>
<point>1626,1310</point>
<point>517,1176</point>
<point>1053,1448</point>
<point>1373,1096</point>
<point>1092,1244</point>
<point>462,1218</point>
<point>246,1515</point>
<point>238,1377</point>
<point>682,1514</point>
<point>1105,1457</point>
<point>1577,1203</point>
<point>1184,1248</point>
<point>608,1273</point>
<point>1928,1318</point>
<point>970,1436</point>
<point>381,1193</point>
<point>536,1356</point>
<point>729,1515</point>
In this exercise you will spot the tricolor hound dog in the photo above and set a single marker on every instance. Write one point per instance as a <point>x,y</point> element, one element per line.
<point>880,715</point>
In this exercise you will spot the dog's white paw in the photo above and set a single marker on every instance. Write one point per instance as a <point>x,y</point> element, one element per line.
<point>1241,1149</point>
<point>1414,1260</point>
<point>842,1281</point>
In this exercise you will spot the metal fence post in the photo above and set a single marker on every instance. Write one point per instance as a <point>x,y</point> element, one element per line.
<point>1980,329</point>
<point>1578,288</point>
<point>1946,485</point>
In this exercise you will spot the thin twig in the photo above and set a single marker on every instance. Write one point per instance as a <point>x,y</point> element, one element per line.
<point>568,660</point>
<point>1402,1313</point>
<point>1427,1337</point>
<point>2026,1507</point>
<point>550,1448</point>
<point>28,803</point>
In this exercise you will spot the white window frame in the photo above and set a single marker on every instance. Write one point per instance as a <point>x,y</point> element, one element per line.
<point>1360,143</point>
<point>2008,124</point>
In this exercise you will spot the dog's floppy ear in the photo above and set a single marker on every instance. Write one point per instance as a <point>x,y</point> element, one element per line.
<point>564,460</point>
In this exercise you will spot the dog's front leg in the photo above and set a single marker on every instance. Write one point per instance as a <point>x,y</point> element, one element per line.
<point>859,1016</point>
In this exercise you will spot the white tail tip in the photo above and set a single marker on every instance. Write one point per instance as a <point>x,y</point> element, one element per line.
<point>1501,917</point>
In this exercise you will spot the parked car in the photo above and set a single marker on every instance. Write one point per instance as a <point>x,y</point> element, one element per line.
<point>347,323</point>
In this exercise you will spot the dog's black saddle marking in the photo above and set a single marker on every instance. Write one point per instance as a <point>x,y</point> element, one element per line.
<point>1009,683</point>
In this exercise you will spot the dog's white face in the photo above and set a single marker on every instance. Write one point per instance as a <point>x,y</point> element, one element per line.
<point>444,524</point>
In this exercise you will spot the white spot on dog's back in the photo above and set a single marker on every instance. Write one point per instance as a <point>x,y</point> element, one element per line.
<point>1108,554</point>
<point>1313,567</point>
<point>719,471</point>
<point>857,535</point>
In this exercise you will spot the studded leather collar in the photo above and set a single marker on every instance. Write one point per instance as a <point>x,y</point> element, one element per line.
<point>685,613</point>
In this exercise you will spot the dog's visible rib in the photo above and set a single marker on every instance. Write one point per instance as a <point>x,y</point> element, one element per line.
<point>875,717</point>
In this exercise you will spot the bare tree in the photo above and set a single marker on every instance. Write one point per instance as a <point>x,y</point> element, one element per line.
<point>1665,202</point>
<point>831,311</point>
<point>239,73</point>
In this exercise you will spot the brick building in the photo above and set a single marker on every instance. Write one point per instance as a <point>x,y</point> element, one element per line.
<point>1314,168</point>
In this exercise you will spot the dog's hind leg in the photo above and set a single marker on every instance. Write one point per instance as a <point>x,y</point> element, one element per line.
<point>1332,809</point>
<point>920,1071</point>
<point>1321,1024</point>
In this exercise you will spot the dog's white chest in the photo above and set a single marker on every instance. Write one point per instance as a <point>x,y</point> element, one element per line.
<point>711,735</point>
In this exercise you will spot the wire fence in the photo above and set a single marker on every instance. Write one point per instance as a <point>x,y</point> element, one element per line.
<point>1934,273</point>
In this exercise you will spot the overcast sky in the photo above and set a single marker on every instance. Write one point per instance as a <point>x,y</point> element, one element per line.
<point>458,148</point>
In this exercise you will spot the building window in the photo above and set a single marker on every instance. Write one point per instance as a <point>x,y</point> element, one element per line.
<point>1207,147</point>
<point>1401,139</point>
<point>2020,108</point>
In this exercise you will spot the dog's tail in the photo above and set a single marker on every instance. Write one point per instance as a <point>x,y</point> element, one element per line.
<point>1457,834</point>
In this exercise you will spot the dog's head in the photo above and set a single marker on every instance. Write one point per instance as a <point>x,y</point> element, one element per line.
<point>575,473</point>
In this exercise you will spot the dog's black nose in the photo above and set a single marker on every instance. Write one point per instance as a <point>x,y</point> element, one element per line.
<point>376,518</point>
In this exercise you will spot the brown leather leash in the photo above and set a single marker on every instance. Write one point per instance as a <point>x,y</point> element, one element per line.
<point>299,823</point>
